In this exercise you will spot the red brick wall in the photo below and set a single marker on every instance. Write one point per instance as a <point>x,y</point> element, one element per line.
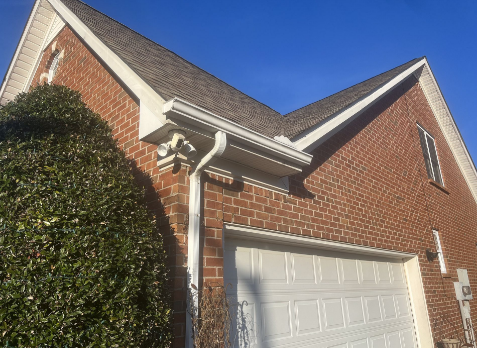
<point>166,189</point>
<point>366,185</point>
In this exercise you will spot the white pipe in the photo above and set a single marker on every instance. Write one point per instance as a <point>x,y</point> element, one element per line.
<point>193,237</point>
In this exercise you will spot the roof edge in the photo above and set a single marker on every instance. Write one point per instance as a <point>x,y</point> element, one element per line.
<point>316,135</point>
<point>145,93</point>
<point>449,128</point>
<point>25,32</point>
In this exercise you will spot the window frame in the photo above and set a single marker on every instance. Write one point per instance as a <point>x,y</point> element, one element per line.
<point>53,67</point>
<point>431,175</point>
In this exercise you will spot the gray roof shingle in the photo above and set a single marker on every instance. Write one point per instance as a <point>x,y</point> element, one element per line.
<point>172,76</point>
<point>308,116</point>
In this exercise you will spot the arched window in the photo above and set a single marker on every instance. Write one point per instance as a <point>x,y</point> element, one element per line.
<point>53,65</point>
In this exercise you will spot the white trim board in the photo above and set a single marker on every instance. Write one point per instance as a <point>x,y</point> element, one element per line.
<point>150,101</point>
<point>249,232</point>
<point>410,261</point>
<point>316,135</point>
<point>28,51</point>
<point>448,126</point>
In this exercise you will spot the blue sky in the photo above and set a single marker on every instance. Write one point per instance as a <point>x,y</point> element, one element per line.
<point>287,54</point>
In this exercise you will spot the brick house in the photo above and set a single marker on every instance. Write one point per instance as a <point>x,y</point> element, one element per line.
<point>351,222</point>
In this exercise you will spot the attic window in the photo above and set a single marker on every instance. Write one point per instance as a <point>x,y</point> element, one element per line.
<point>53,67</point>
<point>430,156</point>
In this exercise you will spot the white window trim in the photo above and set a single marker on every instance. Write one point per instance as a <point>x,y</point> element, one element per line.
<point>53,67</point>
<point>442,262</point>
<point>429,154</point>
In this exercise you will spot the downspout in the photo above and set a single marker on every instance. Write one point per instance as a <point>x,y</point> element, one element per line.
<point>193,248</point>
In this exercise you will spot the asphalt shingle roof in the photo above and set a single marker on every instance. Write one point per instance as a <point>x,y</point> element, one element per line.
<point>172,76</point>
<point>308,116</point>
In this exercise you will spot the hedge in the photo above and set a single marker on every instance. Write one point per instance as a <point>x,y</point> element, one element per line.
<point>81,261</point>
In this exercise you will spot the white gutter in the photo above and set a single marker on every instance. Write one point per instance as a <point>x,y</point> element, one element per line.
<point>193,238</point>
<point>312,137</point>
<point>251,138</point>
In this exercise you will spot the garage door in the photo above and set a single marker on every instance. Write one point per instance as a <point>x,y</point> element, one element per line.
<point>291,296</point>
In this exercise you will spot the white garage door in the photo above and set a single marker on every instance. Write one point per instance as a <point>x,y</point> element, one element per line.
<point>291,296</point>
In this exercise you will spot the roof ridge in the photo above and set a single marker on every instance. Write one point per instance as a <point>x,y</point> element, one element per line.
<point>356,84</point>
<point>186,60</point>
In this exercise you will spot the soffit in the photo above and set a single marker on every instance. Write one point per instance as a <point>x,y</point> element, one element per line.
<point>29,49</point>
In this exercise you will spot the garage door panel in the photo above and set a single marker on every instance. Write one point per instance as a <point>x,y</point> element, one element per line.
<point>402,306</point>
<point>333,313</point>
<point>276,320</point>
<point>273,267</point>
<point>239,262</point>
<point>328,270</point>
<point>349,271</point>
<point>287,298</point>
<point>354,311</point>
<point>359,344</point>
<point>330,315</point>
<point>307,317</point>
<point>388,307</point>
<point>377,342</point>
<point>384,275</point>
<point>303,269</point>
<point>367,272</point>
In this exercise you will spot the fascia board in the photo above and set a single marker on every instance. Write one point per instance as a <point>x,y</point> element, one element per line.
<point>147,96</point>
<point>19,47</point>
<point>450,130</point>
<point>316,135</point>
<point>39,55</point>
<point>247,136</point>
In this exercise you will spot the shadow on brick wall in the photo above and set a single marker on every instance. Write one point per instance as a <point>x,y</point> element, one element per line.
<point>323,153</point>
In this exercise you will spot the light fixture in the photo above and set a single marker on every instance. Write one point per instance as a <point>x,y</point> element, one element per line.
<point>188,150</point>
<point>177,144</point>
<point>163,149</point>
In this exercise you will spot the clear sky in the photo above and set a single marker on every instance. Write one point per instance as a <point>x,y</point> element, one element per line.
<point>287,54</point>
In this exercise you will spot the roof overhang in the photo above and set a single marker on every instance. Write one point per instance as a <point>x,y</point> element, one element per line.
<point>318,134</point>
<point>41,27</point>
<point>245,147</point>
<point>30,47</point>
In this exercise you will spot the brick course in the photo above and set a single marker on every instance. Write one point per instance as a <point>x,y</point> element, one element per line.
<point>366,185</point>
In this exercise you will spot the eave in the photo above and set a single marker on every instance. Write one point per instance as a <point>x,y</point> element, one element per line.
<point>315,136</point>
<point>246,147</point>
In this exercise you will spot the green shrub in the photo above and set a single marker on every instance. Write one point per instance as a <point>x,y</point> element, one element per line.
<point>81,261</point>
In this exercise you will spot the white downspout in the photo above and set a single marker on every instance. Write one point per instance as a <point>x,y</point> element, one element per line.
<point>193,248</point>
